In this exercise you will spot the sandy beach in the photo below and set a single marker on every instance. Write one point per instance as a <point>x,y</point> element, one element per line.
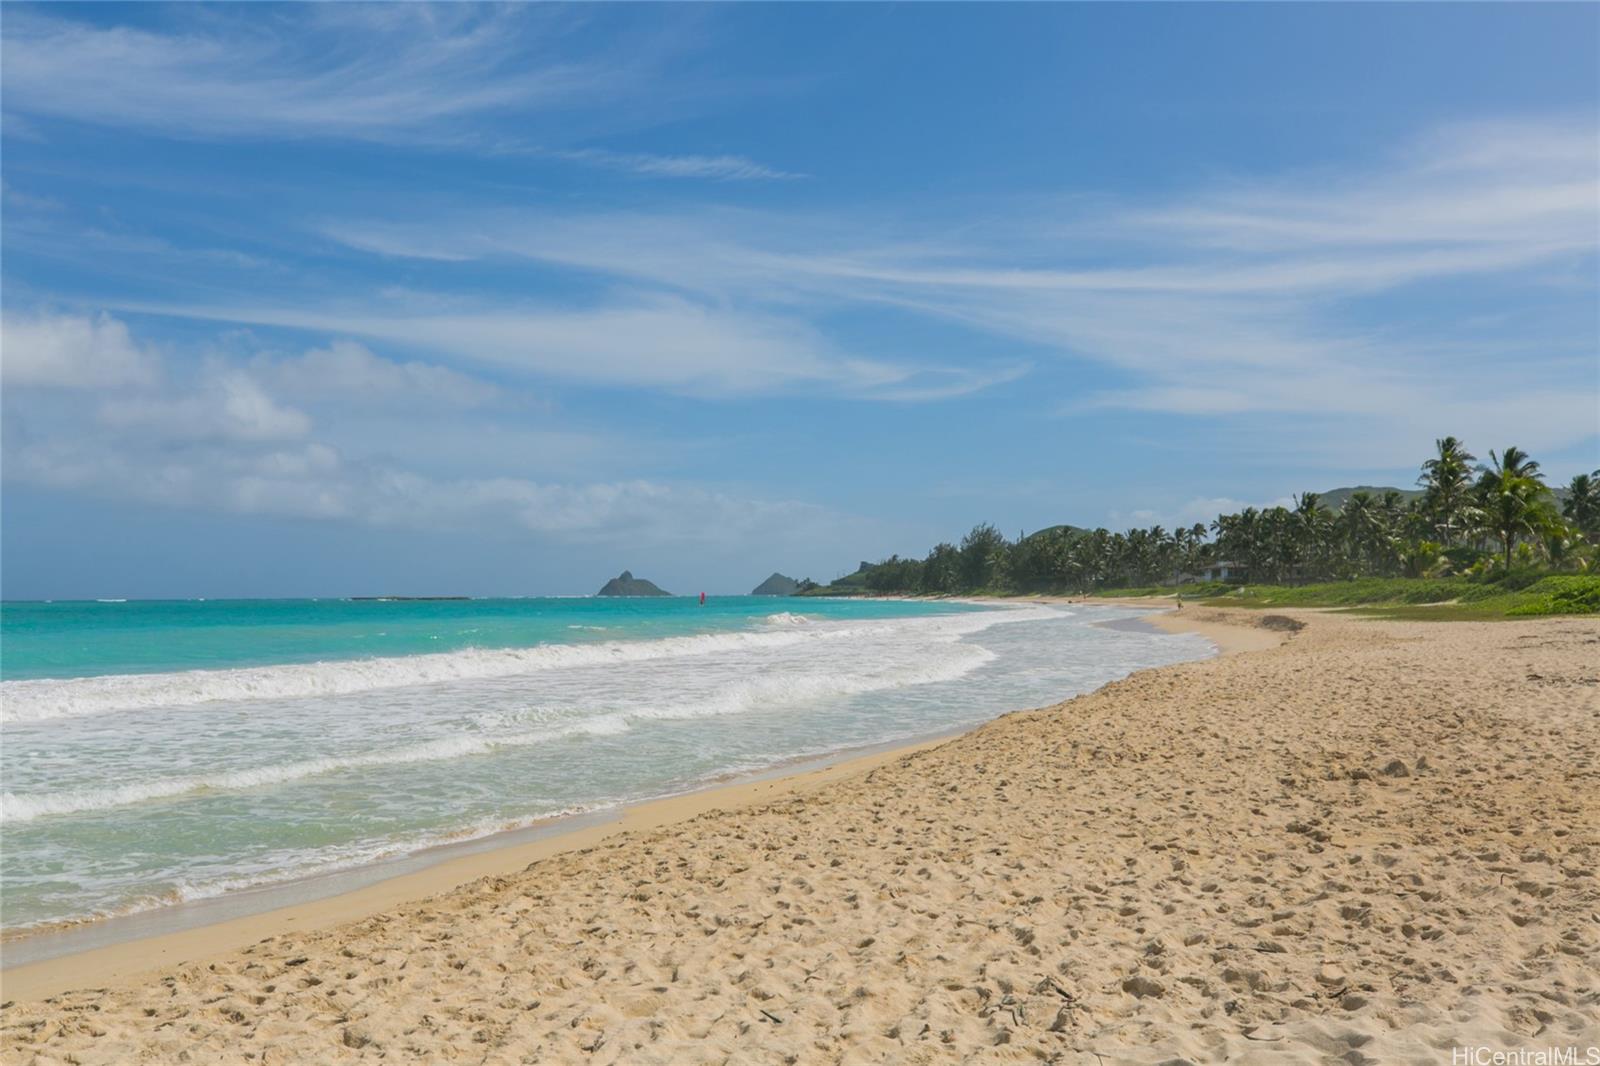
<point>1351,842</point>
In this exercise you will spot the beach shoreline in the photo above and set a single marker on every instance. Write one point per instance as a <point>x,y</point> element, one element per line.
<point>498,854</point>
<point>1291,853</point>
<point>116,949</point>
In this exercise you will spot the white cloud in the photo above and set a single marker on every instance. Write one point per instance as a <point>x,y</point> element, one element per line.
<point>313,480</point>
<point>352,372</point>
<point>227,404</point>
<point>216,433</point>
<point>221,395</point>
<point>71,352</point>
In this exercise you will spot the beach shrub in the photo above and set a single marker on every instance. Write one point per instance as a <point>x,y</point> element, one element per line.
<point>1517,593</point>
<point>1567,594</point>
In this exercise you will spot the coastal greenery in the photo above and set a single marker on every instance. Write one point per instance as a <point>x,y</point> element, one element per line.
<point>1519,594</point>
<point>1483,538</point>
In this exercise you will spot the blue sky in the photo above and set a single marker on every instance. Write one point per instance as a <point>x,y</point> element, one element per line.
<point>307,300</point>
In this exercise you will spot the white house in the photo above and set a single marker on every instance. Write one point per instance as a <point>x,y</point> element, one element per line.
<point>1219,571</point>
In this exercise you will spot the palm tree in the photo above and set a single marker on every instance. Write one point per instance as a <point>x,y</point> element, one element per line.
<point>1116,557</point>
<point>1446,480</point>
<point>1238,540</point>
<point>1315,530</point>
<point>1095,557</point>
<point>1361,520</point>
<point>1197,547</point>
<point>1415,550</point>
<point>1511,498</point>
<point>1186,548</point>
<point>1582,508</point>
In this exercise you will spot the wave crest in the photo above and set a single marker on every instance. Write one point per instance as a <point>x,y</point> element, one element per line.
<point>44,699</point>
<point>779,690</point>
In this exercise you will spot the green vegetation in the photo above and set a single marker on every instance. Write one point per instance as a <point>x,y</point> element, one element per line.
<point>1192,590</point>
<point>1474,540</point>
<point>1571,594</point>
<point>1516,595</point>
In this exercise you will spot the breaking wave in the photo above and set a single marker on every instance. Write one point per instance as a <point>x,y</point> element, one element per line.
<point>37,700</point>
<point>933,654</point>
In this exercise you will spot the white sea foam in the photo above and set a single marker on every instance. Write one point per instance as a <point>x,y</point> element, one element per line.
<point>23,808</point>
<point>301,866</point>
<point>479,741</point>
<point>37,700</point>
<point>784,689</point>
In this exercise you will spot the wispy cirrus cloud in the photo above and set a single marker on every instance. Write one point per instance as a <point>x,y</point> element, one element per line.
<point>657,341</point>
<point>441,76</point>
<point>387,77</point>
<point>1466,210</point>
<point>1262,298</point>
<point>1254,297</point>
<point>713,167</point>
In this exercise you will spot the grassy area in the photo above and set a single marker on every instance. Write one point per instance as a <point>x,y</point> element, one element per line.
<point>1438,599</point>
<point>1523,594</point>
<point>1197,591</point>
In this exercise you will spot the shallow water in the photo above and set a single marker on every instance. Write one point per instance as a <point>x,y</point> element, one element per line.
<point>125,790</point>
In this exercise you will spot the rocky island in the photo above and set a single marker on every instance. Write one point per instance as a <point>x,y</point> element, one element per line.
<point>625,584</point>
<point>776,585</point>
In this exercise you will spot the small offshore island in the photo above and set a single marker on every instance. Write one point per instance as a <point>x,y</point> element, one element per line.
<point>777,585</point>
<point>625,584</point>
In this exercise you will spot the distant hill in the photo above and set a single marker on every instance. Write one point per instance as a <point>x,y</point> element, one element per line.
<point>776,585</point>
<point>844,585</point>
<point>1334,499</point>
<point>1072,531</point>
<point>625,584</point>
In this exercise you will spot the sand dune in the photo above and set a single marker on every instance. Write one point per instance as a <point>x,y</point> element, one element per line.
<point>1371,843</point>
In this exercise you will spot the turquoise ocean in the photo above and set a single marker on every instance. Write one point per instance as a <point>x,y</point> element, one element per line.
<point>153,752</point>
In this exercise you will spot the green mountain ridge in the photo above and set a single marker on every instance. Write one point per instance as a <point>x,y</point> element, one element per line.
<point>1063,528</point>
<point>1334,499</point>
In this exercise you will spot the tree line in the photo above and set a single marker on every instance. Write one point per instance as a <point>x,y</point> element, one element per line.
<point>1471,518</point>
